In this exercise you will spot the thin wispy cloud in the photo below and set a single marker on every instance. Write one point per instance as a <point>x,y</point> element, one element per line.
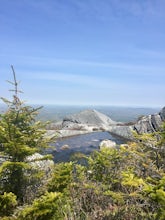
<point>147,69</point>
<point>93,82</point>
<point>97,10</point>
<point>74,79</point>
<point>107,49</point>
<point>107,10</point>
<point>125,65</point>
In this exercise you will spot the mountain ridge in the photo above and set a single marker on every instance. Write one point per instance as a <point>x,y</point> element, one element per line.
<point>91,120</point>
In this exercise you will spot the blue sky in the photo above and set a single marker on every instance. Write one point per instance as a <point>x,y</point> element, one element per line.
<point>103,52</point>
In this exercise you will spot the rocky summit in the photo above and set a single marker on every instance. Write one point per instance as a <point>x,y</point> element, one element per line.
<point>89,117</point>
<point>81,123</point>
<point>92,120</point>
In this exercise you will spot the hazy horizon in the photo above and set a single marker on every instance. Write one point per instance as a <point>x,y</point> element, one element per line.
<point>85,105</point>
<point>58,112</point>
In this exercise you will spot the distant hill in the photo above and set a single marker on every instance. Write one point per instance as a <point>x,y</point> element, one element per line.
<point>91,117</point>
<point>124,114</point>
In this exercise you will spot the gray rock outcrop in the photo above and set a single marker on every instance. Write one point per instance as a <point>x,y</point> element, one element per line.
<point>81,123</point>
<point>107,143</point>
<point>39,162</point>
<point>88,117</point>
<point>162,114</point>
<point>150,123</point>
<point>122,131</point>
<point>145,124</point>
<point>92,120</point>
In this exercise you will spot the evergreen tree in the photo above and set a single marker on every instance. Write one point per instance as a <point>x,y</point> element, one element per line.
<point>20,136</point>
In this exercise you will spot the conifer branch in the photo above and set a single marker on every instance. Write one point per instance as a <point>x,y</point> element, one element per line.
<point>15,90</point>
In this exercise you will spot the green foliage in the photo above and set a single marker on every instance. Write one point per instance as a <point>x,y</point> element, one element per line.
<point>154,145</point>
<point>47,206</point>
<point>9,173</point>
<point>62,177</point>
<point>7,204</point>
<point>162,133</point>
<point>155,190</point>
<point>20,136</point>
<point>129,179</point>
<point>124,183</point>
<point>104,165</point>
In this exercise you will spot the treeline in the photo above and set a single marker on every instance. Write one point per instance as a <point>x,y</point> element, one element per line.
<point>126,183</point>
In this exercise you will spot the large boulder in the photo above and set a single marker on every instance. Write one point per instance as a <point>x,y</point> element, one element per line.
<point>122,131</point>
<point>39,162</point>
<point>107,143</point>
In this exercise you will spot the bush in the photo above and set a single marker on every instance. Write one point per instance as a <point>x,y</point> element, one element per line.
<point>8,203</point>
<point>46,207</point>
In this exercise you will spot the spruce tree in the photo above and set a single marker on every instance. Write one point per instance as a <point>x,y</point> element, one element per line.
<point>20,136</point>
